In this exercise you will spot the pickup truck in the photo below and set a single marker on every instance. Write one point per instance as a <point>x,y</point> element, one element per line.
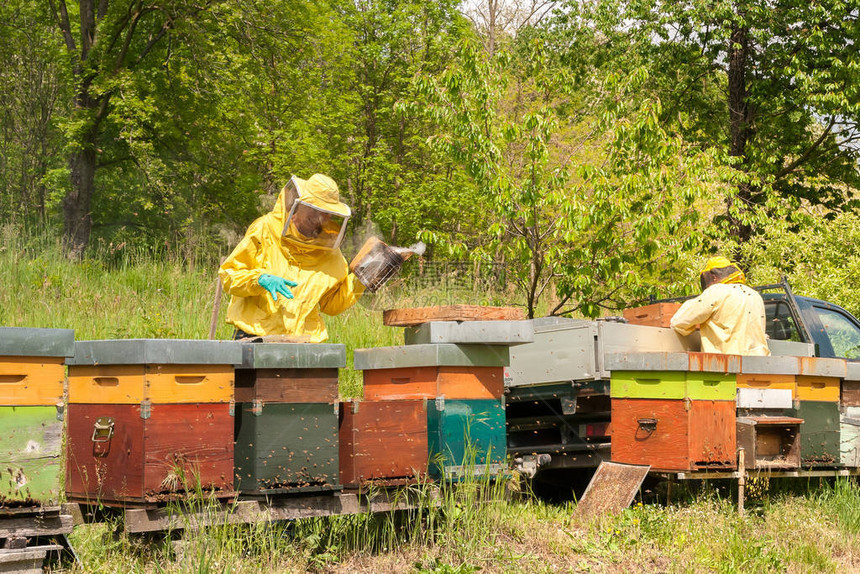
<point>834,331</point>
<point>557,389</point>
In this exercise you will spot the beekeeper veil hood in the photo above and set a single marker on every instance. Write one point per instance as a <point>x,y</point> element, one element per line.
<point>721,270</point>
<point>313,213</point>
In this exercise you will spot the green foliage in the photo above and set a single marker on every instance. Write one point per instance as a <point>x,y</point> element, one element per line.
<point>817,255</point>
<point>33,88</point>
<point>588,192</point>
<point>772,86</point>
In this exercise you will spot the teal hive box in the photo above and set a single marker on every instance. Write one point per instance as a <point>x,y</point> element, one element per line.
<point>466,438</point>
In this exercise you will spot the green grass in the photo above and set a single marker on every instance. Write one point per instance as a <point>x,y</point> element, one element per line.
<point>477,527</point>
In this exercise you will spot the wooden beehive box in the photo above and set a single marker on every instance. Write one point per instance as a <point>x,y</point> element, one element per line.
<point>769,373</point>
<point>32,367</point>
<point>30,449</point>
<point>654,315</point>
<point>289,373</point>
<point>32,372</point>
<point>433,370</point>
<point>672,385</point>
<point>850,392</point>
<point>825,389</point>
<point>770,442</point>
<point>432,382</point>
<point>674,435</point>
<point>148,419</point>
<point>466,438</point>
<point>286,447</point>
<point>119,454</point>
<point>849,431</point>
<point>765,381</point>
<point>160,371</point>
<point>820,440</point>
<point>383,441</point>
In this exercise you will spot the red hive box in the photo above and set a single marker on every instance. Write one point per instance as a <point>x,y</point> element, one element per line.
<point>117,456</point>
<point>384,441</point>
<point>674,435</point>
<point>149,420</point>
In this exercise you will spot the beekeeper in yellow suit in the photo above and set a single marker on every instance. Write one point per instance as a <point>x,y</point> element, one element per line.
<point>289,268</point>
<point>729,314</point>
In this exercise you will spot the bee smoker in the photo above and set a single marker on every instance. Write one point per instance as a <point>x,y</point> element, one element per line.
<point>377,262</point>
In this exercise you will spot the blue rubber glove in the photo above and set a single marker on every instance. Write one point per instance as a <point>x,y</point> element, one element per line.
<point>274,285</point>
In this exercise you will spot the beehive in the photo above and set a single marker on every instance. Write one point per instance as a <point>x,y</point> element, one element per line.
<point>466,438</point>
<point>32,372</point>
<point>286,446</point>
<point>433,370</point>
<point>150,418</point>
<point>674,435</point>
<point>287,417</point>
<point>770,442</point>
<point>818,393</point>
<point>383,441</point>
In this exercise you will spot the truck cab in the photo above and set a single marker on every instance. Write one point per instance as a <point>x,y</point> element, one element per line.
<point>834,331</point>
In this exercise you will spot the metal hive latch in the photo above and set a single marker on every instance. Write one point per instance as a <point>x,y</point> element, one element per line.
<point>103,429</point>
<point>648,425</point>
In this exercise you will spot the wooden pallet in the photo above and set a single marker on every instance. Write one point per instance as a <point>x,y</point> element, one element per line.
<point>418,315</point>
<point>24,531</point>
<point>138,521</point>
<point>28,522</point>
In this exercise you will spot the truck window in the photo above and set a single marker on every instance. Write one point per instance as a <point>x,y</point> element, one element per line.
<point>779,324</point>
<point>843,333</point>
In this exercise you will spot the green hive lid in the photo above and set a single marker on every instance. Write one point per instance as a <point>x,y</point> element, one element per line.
<point>429,355</point>
<point>29,342</point>
<point>157,352</point>
<point>293,356</point>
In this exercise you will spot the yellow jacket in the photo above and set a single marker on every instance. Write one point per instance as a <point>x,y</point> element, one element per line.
<point>731,319</point>
<point>324,282</point>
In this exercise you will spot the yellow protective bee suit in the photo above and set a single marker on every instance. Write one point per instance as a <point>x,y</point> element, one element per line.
<point>324,281</point>
<point>730,316</point>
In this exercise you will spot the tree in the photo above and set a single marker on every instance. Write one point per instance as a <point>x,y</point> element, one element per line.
<point>786,80</point>
<point>32,90</point>
<point>396,182</point>
<point>104,40</point>
<point>588,190</point>
<point>494,19</point>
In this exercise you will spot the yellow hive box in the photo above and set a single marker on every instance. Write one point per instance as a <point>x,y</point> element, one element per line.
<point>160,384</point>
<point>160,371</point>
<point>768,381</point>
<point>31,381</point>
<point>818,388</point>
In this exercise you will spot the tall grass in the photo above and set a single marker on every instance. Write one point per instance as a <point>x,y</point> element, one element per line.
<point>119,293</point>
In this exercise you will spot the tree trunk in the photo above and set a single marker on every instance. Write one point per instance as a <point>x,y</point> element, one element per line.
<point>76,205</point>
<point>77,218</point>
<point>739,122</point>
